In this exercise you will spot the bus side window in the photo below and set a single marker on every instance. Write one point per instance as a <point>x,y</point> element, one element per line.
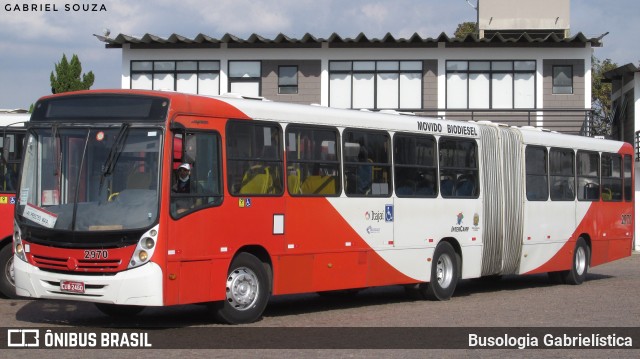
<point>536,171</point>
<point>588,171</point>
<point>415,165</point>
<point>313,168</point>
<point>562,174</point>
<point>628,184</point>
<point>367,163</point>
<point>458,168</point>
<point>254,158</point>
<point>196,172</point>
<point>611,177</point>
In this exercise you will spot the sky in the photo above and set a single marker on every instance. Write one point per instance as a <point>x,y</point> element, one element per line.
<point>32,42</point>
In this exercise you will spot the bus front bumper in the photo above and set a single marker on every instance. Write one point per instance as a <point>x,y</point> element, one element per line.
<point>138,286</point>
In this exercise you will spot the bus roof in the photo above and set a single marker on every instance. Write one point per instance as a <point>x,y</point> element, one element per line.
<point>391,121</point>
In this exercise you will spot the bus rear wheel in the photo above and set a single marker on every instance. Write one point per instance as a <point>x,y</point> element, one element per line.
<point>581,258</point>
<point>247,291</point>
<point>7,285</point>
<point>445,271</point>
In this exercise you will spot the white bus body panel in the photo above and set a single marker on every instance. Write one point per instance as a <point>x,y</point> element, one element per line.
<point>138,286</point>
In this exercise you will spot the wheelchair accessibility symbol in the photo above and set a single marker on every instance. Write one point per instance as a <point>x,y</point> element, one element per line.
<point>388,213</point>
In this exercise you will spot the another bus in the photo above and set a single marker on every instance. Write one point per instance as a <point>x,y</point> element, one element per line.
<point>11,138</point>
<point>294,199</point>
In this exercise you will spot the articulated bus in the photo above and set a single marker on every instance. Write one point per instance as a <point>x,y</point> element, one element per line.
<point>291,199</point>
<point>11,138</point>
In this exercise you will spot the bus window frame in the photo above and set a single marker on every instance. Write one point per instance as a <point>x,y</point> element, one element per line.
<point>573,181</point>
<point>577,175</point>
<point>459,170</point>
<point>217,203</point>
<point>602,177</point>
<point>372,164</point>
<point>435,166</point>
<point>337,162</point>
<point>280,160</point>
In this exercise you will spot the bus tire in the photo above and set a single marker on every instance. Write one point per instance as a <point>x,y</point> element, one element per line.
<point>445,271</point>
<point>119,311</point>
<point>247,290</point>
<point>7,285</point>
<point>580,266</point>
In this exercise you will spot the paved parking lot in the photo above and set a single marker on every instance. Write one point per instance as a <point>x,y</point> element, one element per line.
<point>609,298</point>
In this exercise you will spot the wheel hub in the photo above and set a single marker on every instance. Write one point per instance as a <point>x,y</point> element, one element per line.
<point>242,288</point>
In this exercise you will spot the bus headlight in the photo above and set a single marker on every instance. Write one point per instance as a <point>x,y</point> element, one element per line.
<point>145,248</point>
<point>18,248</point>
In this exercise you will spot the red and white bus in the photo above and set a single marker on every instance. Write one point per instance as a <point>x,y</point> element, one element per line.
<point>293,199</point>
<point>11,138</point>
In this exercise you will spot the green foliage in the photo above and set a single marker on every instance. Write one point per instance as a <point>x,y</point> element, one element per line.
<point>68,76</point>
<point>601,96</point>
<point>466,28</point>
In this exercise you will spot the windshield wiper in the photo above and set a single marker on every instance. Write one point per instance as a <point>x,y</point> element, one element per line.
<point>116,149</point>
<point>114,154</point>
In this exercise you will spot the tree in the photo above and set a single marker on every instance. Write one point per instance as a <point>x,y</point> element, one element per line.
<point>601,96</point>
<point>67,76</point>
<point>466,28</point>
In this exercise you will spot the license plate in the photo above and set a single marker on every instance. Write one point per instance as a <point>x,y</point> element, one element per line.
<point>71,287</point>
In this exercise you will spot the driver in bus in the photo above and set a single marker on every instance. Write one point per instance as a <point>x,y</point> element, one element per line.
<point>183,185</point>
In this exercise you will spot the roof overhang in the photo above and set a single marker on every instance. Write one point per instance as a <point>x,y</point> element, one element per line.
<point>150,41</point>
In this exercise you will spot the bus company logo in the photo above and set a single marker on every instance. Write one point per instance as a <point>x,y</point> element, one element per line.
<point>376,216</point>
<point>459,227</point>
<point>379,216</point>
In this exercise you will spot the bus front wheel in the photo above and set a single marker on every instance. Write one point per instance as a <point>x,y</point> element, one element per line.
<point>7,286</point>
<point>247,291</point>
<point>445,271</point>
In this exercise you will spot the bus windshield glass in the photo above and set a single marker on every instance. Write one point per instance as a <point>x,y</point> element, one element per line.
<point>90,179</point>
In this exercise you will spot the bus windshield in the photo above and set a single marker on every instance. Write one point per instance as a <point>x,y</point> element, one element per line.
<point>90,179</point>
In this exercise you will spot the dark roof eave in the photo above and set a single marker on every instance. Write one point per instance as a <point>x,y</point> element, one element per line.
<point>336,41</point>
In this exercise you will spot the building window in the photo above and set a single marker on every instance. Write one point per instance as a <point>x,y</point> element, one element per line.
<point>287,80</point>
<point>375,84</point>
<point>202,77</point>
<point>562,80</point>
<point>491,84</point>
<point>244,77</point>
